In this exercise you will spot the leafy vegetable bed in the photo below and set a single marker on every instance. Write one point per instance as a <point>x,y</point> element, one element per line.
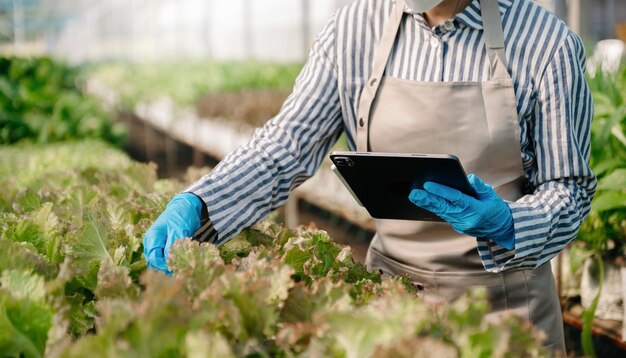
<point>40,101</point>
<point>186,82</point>
<point>73,281</point>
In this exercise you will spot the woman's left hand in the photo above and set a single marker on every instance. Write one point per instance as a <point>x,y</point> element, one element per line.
<point>486,216</point>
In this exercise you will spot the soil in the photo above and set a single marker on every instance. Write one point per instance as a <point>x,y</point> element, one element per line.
<point>253,107</point>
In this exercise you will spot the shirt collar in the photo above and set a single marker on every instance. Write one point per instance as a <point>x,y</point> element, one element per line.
<point>471,16</point>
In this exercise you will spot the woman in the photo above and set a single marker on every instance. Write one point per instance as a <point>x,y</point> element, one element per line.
<point>499,83</point>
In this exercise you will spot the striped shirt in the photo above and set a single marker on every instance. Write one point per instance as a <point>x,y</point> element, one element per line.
<point>546,62</point>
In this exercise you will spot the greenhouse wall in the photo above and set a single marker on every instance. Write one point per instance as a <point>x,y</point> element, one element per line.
<point>163,30</point>
<point>141,30</point>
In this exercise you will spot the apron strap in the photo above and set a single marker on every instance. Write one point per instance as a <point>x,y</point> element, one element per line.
<point>494,39</point>
<point>379,64</point>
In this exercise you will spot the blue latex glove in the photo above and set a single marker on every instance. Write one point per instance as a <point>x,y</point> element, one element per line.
<point>180,219</point>
<point>486,216</point>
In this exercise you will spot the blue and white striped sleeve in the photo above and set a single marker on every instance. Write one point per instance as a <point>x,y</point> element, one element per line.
<point>258,177</point>
<point>548,219</point>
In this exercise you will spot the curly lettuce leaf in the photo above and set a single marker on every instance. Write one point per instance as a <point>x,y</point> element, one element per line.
<point>25,317</point>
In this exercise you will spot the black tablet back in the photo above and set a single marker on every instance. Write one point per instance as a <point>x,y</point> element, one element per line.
<point>382,181</point>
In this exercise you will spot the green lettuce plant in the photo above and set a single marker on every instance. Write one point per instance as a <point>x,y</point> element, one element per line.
<point>40,100</point>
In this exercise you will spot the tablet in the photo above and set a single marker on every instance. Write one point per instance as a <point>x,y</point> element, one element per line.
<point>382,182</point>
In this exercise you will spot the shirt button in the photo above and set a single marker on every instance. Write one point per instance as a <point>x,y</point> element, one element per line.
<point>434,42</point>
<point>448,25</point>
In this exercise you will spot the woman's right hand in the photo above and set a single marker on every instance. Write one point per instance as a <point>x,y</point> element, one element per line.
<point>180,219</point>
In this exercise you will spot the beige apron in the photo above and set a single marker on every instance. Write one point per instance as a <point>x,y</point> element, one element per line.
<point>477,122</point>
